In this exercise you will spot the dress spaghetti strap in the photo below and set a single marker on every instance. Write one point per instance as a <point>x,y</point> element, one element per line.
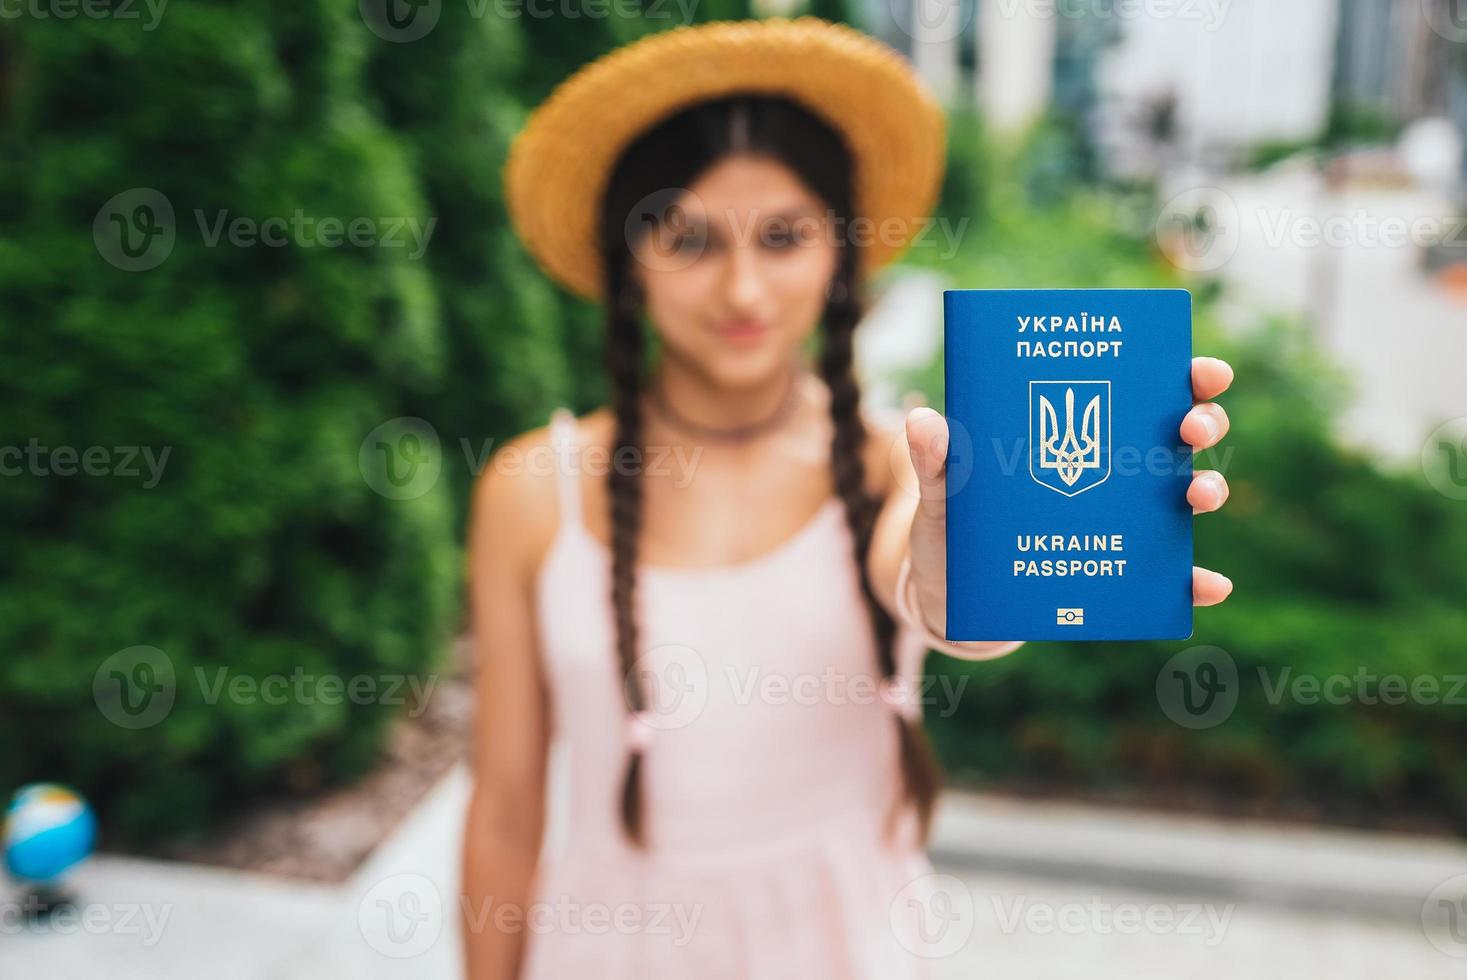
<point>567,468</point>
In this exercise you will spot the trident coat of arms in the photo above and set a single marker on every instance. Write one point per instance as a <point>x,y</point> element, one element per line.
<point>1069,434</point>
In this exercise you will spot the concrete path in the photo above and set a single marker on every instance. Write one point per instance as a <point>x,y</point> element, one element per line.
<point>1027,927</point>
<point>141,920</point>
<point>1025,890</point>
<point>1308,869</point>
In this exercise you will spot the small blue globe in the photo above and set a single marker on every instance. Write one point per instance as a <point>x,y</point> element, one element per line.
<point>49,829</point>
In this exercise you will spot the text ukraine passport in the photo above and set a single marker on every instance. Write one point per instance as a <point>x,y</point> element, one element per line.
<point>1067,476</point>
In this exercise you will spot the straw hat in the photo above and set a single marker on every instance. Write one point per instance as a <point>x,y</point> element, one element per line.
<point>558,166</point>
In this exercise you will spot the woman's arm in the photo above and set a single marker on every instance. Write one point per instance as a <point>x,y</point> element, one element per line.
<point>913,522</point>
<point>506,812</point>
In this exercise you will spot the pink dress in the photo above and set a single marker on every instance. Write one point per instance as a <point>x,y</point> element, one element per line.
<point>766,780</point>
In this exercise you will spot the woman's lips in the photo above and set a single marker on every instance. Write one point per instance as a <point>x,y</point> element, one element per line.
<point>741,331</point>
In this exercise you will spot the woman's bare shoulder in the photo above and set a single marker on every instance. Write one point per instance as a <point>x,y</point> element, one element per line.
<point>516,498</point>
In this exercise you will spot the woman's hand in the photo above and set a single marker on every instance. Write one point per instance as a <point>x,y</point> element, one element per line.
<point>927,439</point>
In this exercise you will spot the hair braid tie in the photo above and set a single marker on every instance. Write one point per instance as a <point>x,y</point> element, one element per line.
<point>640,731</point>
<point>920,773</point>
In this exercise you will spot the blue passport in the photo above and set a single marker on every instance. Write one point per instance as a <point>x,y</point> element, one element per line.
<point>1067,477</point>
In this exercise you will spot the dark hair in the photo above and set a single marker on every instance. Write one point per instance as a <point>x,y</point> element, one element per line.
<point>668,157</point>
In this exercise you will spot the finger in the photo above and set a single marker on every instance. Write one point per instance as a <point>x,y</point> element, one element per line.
<point>927,442</point>
<point>1210,378</point>
<point>1208,587</point>
<point>1205,425</point>
<point>1208,492</point>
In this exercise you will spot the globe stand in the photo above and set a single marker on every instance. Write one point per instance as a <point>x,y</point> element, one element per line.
<point>41,901</point>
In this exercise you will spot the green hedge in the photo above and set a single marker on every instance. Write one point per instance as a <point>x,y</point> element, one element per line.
<point>518,346</point>
<point>260,370</point>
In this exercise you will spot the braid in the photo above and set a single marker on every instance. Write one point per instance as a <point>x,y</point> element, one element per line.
<point>624,363</point>
<point>920,774</point>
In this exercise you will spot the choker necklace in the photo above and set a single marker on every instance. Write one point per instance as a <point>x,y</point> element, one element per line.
<point>733,434</point>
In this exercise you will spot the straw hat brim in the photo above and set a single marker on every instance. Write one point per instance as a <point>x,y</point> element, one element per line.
<point>558,165</point>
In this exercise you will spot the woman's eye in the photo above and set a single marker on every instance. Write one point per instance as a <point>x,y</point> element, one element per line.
<point>690,242</point>
<point>781,238</point>
<point>782,235</point>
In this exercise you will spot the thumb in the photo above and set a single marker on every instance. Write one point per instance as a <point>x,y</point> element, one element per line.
<point>927,439</point>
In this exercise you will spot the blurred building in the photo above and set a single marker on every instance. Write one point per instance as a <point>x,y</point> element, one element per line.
<point>1390,57</point>
<point>1188,84</point>
<point>1257,72</point>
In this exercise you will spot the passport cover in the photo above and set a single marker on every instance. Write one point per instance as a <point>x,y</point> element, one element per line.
<point>1067,476</point>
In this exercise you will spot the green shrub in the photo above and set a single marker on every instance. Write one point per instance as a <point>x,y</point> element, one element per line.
<point>259,370</point>
<point>518,345</point>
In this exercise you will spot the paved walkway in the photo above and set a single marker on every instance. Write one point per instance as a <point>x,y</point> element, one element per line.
<point>1047,930</point>
<point>1028,890</point>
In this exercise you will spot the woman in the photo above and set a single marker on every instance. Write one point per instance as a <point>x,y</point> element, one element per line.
<point>718,597</point>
